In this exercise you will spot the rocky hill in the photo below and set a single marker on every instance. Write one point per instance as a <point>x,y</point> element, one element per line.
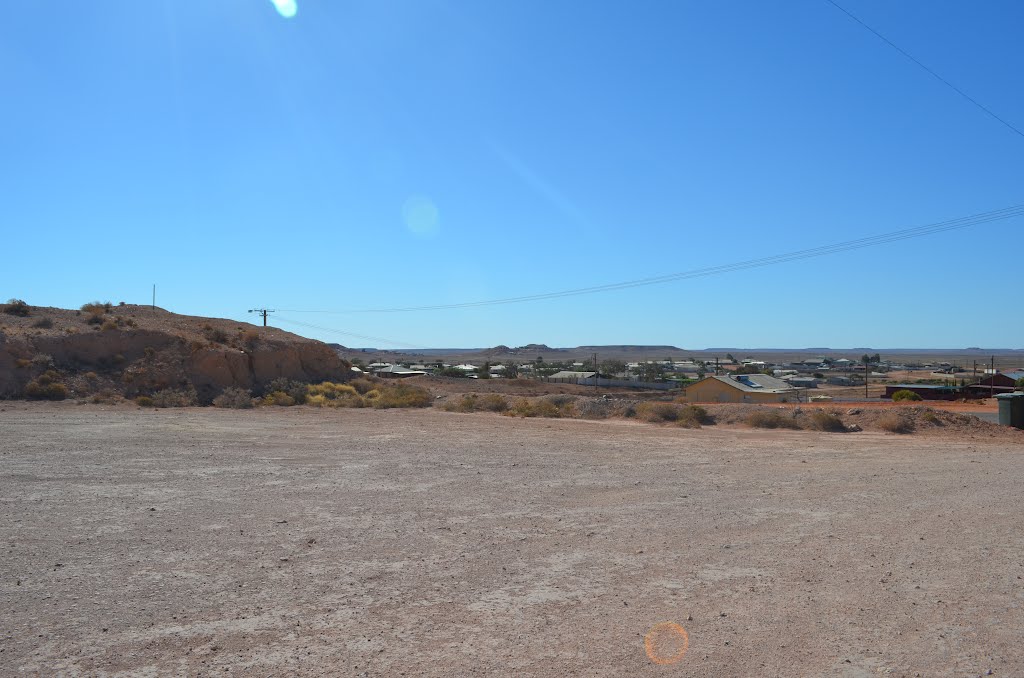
<point>135,350</point>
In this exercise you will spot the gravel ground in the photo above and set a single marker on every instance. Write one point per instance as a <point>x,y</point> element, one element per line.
<point>383,543</point>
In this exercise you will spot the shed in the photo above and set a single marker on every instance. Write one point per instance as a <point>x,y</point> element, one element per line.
<point>741,388</point>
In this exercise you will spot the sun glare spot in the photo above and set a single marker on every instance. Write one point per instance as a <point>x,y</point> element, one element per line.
<point>420,215</point>
<point>286,8</point>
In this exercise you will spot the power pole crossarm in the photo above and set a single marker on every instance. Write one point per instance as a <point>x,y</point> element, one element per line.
<point>263,312</point>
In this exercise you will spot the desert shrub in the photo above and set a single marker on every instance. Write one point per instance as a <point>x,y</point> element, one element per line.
<point>904,394</point>
<point>96,307</point>
<point>538,408</point>
<point>371,395</point>
<point>520,408</point>
<point>23,362</point>
<point>278,398</point>
<point>144,401</point>
<point>46,387</point>
<point>109,325</point>
<point>329,394</point>
<point>106,396</point>
<point>932,418</point>
<point>492,402</point>
<point>771,419</point>
<point>594,409</point>
<point>894,423</point>
<point>150,352</point>
<point>821,420</point>
<point>43,323</point>
<point>657,412</point>
<point>693,416</point>
<point>42,360</point>
<point>547,408</point>
<point>296,390</point>
<point>216,335</point>
<point>16,307</point>
<point>468,403</point>
<point>250,337</point>
<point>402,395</point>
<point>95,319</point>
<point>234,398</point>
<point>175,397</point>
<point>362,385</point>
<point>91,376</point>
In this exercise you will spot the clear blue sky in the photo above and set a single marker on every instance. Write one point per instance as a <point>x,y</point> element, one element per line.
<point>369,153</point>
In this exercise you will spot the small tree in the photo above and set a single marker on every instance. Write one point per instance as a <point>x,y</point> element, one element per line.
<point>612,367</point>
<point>651,371</point>
<point>1019,384</point>
<point>512,369</point>
<point>484,371</point>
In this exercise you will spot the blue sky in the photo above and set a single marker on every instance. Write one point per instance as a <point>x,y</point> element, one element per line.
<point>378,154</point>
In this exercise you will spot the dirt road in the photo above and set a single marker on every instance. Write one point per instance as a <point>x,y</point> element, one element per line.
<point>382,543</point>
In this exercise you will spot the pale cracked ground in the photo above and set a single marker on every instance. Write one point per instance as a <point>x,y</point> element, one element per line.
<point>306,542</point>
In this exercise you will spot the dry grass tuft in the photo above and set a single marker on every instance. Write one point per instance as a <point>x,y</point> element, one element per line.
<point>772,419</point>
<point>895,423</point>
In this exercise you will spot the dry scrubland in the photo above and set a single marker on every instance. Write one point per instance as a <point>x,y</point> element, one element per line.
<point>379,542</point>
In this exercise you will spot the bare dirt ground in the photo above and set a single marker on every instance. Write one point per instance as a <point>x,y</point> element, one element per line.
<point>294,541</point>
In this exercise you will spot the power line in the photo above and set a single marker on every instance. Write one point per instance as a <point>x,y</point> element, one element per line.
<point>938,77</point>
<point>350,334</point>
<point>860,243</point>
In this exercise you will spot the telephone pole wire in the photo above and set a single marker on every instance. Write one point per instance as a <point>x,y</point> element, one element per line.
<point>263,312</point>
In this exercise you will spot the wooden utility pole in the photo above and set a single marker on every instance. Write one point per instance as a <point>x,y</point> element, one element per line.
<point>263,312</point>
<point>865,377</point>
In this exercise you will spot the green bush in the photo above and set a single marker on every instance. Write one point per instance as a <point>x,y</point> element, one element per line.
<point>234,398</point>
<point>904,394</point>
<point>772,419</point>
<point>144,401</point>
<point>16,307</point>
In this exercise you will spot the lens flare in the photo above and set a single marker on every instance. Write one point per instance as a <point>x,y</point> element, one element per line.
<point>666,643</point>
<point>286,8</point>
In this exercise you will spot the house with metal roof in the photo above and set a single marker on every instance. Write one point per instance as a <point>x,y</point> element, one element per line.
<point>994,384</point>
<point>742,388</point>
<point>397,372</point>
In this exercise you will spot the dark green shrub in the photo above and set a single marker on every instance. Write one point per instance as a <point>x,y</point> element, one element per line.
<point>905,394</point>
<point>144,401</point>
<point>693,416</point>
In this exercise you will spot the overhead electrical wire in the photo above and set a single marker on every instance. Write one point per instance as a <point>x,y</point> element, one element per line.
<point>349,334</point>
<point>845,246</point>
<point>928,70</point>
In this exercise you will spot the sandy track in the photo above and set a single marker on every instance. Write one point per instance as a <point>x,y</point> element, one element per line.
<point>381,543</point>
